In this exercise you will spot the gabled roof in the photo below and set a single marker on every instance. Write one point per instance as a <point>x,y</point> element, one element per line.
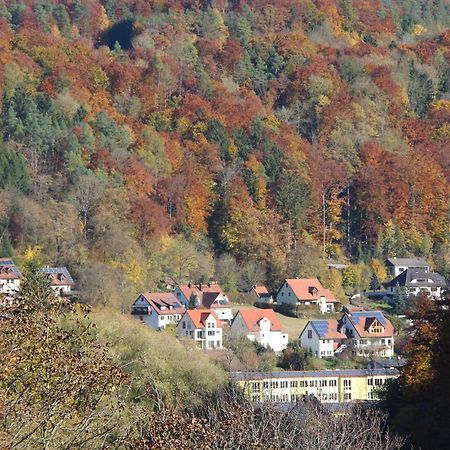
<point>260,290</point>
<point>8,270</point>
<point>199,317</point>
<point>307,289</point>
<point>327,329</point>
<point>253,317</point>
<point>163,303</point>
<point>207,293</point>
<point>405,279</point>
<point>59,276</point>
<point>407,262</point>
<point>362,320</point>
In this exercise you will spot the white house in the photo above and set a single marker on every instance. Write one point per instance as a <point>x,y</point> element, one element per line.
<point>158,309</point>
<point>202,326</point>
<point>322,338</point>
<point>9,277</point>
<point>368,333</point>
<point>60,279</point>
<point>395,266</point>
<point>262,326</point>
<point>306,291</point>
<point>415,281</point>
<point>208,296</point>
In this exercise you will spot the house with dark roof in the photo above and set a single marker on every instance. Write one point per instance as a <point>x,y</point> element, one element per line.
<point>262,326</point>
<point>205,296</point>
<point>158,309</point>
<point>415,281</point>
<point>395,266</point>
<point>368,333</point>
<point>60,279</point>
<point>203,326</point>
<point>306,291</point>
<point>9,276</point>
<point>322,338</point>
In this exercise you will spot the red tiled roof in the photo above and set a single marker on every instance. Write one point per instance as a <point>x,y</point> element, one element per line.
<point>199,316</point>
<point>206,292</point>
<point>252,317</point>
<point>162,300</point>
<point>363,320</point>
<point>307,289</point>
<point>260,290</point>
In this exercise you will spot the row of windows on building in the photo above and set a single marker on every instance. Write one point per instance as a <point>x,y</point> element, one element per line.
<point>256,385</point>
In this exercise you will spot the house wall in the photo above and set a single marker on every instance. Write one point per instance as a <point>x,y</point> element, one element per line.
<point>314,343</point>
<point>207,338</point>
<point>286,295</point>
<point>9,286</point>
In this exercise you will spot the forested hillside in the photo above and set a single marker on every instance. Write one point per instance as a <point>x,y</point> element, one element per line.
<point>166,140</point>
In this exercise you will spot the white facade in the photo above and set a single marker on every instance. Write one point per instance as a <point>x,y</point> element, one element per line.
<point>208,334</point>
<point>276,340</point>
<point>432,291</point>
<point>9,286</point>
<point>365,345</point>
<point>153,318</point>
<point>310,339</point>
<point>287,295</point>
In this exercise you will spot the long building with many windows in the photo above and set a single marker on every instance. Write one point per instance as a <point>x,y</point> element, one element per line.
<point>327,386</point>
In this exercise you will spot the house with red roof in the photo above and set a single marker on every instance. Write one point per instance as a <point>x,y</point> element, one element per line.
<point>9,276</point>
<point>365,332</point>
<point>203,326</point>
<point>158,309</point>
<point>368,333</point>
<point>306,291</point>
<point>322,337</point>
<point>60,280</point>
<point>206,296</point>
<point>261,294</point>
<point>262,326</point>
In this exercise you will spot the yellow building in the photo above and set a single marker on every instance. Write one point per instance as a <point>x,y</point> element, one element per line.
<point>328,386</point>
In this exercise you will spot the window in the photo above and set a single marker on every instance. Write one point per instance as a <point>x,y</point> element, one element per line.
<point>309,334</point>
<point>265,384</point>
<point>323,383</point>
<point>274,385</point>
<point>211,333</point>
<point>369,381</point>
<point>162,317</point>
<point>284,384</point>
<point>347,396</point>
<point>333,383</point>
<point>378,382</point>
<point>294,384</point>
<point>313,383</point>
<point>255,387</point>
<point>141,318</point>
<point>289,294</point>
<point>347,384</point>
<point>255,398</point>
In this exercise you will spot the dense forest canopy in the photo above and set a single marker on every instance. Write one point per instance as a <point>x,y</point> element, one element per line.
<point>166,140</point>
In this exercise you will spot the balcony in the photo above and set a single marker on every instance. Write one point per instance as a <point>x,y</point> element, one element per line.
<point>139,310</point>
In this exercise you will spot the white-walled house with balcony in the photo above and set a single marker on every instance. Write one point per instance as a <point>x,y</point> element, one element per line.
<point>368,333</point>
<point>306,292</point>
<point>322,338</point>
<point>202,326</point>
<point>158,309</point>
<point>262,326</point>
<point>416,281</point>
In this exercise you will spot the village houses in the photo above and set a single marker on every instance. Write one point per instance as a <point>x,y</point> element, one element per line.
<point>9,277</point>
<point>261,294</point>
<point>395,266</point>
<point>305,292</point>
<point>415,281</point>
<point>206,296</point>
<point>261,326</point>
<point>203,326</point>
<point>322,338</point>
<point>365,332</point>
<point>157,310</point>
<point>60,280</point>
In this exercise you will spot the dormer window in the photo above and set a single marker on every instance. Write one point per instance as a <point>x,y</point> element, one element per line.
<point>376,327</point>
<point>313,290</point>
